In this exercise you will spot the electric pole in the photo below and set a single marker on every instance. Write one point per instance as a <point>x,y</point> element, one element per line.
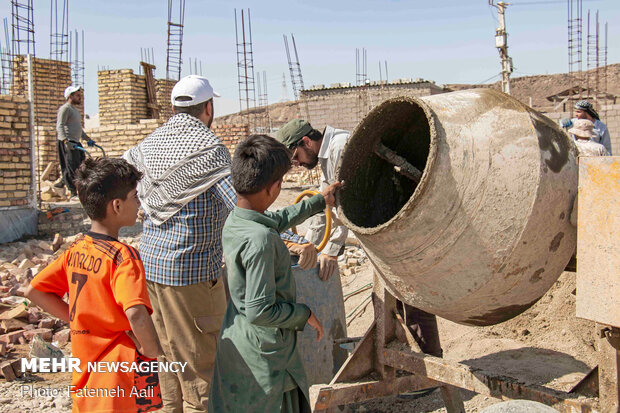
<point>501,42</point>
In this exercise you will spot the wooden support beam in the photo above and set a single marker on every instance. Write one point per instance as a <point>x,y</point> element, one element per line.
<point>325,397</point>
<point>385,308</point>
<point>466,377</point>
<point>150,90</point>
<point>609,368</point>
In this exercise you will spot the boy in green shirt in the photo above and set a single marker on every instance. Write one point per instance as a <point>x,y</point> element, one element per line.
<point>257,365</point>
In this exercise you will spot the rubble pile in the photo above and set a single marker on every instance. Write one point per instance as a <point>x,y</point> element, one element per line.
<point>49,193</point>
<point>301,176</point>
<point>353,257</point>
<point>20,323</point>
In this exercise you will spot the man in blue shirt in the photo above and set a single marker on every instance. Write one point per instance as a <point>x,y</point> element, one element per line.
<point>584,110</point>
<point>187,195</point>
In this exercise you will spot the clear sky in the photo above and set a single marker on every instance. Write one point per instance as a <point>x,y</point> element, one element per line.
<point>446,41</point>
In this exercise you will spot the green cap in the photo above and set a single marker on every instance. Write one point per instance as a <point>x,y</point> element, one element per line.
<point>293,131</point>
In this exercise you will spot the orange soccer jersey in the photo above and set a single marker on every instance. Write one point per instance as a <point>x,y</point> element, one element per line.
<point>103,277</point>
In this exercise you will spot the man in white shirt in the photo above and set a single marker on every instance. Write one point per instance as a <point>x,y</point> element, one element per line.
<point>311,147</point>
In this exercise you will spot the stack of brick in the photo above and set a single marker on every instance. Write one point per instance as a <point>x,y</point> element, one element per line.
<point>230,135</point>
<point>164,90</point>
<point>50,78</point>
<point>15,176</point>
<point>122,97</point>
<point>46,150</point>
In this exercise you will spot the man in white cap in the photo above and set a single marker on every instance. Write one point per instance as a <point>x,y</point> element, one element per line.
<point>69,129</point>
<point>186,193</point>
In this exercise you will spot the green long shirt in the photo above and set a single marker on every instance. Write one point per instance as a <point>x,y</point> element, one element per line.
<point>257,358</point>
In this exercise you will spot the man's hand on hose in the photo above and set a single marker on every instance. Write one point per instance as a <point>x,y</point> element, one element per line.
<point>90,143</point>
<point>328,266</point>
<point>307,254</point>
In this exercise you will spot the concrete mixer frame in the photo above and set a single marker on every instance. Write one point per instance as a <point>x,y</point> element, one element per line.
<point>387,360</point>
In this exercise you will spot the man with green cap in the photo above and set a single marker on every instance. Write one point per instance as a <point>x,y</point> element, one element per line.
<point>311,147</point>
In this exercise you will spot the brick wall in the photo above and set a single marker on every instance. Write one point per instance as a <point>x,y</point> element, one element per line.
<point>123,97</point>
<point>344,107</point>
<point>15,176</point>
<point>50,79</point>
<point>117,138</point>
<point>610,115</point>
<point>46,150</point>
<point>164,89</point>
<point>231,135</point>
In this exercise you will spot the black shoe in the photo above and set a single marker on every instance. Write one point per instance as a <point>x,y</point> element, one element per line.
<point>60,184</point>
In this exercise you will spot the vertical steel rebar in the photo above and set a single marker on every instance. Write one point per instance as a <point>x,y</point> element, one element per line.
<point>174,49</point>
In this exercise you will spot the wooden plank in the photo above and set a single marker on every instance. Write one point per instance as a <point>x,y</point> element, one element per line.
<point>360,362</point>
<point>150,90</point>
<point>385,308</point>
<point>324,397</point>
<point>598,226</point>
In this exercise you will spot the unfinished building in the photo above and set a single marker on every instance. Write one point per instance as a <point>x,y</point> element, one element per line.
<point>28,152</point>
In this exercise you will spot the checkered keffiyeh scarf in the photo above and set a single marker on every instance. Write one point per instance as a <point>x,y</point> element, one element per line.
<point>180,160</point>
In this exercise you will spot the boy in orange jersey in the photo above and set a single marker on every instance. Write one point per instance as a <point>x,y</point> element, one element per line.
<point>109,308</point>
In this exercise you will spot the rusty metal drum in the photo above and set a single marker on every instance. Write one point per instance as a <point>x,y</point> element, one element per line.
<point>462,202</point>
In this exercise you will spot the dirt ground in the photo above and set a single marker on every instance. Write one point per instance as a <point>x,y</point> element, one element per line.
<point>546,345</point>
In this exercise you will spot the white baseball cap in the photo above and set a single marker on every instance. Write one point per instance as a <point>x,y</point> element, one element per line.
<point>193,89</point>
<point>71,89</point>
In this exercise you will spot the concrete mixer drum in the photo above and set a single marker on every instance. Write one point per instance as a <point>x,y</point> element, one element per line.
<point>462,202</point>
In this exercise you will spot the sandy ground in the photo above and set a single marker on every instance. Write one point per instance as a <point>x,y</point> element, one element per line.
<point>546,345</point>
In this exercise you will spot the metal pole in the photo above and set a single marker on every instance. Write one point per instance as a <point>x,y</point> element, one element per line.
<point>35,185</point>
<point>245,66</point>
<point>238,62</point>
<point>386,74</point>
<point>501,42</point>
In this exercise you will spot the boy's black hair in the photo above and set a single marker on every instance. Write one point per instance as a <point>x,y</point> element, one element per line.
<point>98,181</point>
<point>259,160</point>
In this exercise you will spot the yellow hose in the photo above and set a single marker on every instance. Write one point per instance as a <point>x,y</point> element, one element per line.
<point>328,218</point>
